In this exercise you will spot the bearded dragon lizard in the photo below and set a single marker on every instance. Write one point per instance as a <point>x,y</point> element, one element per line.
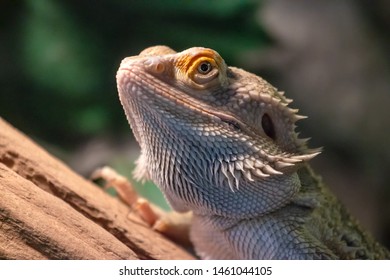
<point>221,142</point>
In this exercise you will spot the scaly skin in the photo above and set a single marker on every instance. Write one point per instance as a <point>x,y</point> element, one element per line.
<point>220,142</point>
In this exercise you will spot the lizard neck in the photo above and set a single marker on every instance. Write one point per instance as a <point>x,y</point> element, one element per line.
<point>193,176</point>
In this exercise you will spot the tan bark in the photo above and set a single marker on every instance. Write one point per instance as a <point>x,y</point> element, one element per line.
<point>47,211</point>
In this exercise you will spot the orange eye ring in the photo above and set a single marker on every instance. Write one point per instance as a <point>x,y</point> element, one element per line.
<point>201,68</point>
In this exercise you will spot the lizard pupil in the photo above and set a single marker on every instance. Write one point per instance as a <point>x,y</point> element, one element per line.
<point>204,67</point>
<point>268,126</point>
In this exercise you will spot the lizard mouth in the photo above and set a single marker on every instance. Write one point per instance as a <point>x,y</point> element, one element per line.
<point>143,80</point>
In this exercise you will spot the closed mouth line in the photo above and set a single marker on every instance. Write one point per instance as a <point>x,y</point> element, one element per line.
<point>232,121</point>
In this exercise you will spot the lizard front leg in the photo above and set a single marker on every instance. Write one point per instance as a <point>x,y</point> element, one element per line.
<point>171,224</point>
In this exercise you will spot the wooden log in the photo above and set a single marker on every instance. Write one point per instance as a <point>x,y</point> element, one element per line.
<point>47,211</point>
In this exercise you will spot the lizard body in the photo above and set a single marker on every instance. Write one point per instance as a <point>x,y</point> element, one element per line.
<point>221,142</point>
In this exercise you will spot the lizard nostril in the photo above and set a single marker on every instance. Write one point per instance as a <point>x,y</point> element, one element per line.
<point>154,66</point>
<point>159,67</point>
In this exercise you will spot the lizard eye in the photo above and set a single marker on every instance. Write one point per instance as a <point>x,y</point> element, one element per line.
<point>206,71</point>
<point>204,67</point>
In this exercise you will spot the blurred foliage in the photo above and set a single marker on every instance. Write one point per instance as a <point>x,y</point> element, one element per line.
<point>58,58</point>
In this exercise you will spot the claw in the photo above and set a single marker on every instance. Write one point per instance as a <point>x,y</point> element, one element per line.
<point>124,188</point>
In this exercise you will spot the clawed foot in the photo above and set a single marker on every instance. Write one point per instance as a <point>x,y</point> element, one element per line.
<point>172,224</point>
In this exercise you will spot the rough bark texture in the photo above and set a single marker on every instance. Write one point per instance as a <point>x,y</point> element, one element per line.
<point>49,212</point>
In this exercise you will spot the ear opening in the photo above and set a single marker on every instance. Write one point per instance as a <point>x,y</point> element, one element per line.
<point>268,126</point>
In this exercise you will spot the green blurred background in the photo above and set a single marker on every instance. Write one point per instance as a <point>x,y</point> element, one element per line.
<point>58,61</point>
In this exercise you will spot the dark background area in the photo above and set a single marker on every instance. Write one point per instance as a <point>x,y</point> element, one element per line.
<point>58,61</point>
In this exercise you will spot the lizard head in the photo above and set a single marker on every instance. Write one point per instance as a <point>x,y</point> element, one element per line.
<point>207,119</point>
